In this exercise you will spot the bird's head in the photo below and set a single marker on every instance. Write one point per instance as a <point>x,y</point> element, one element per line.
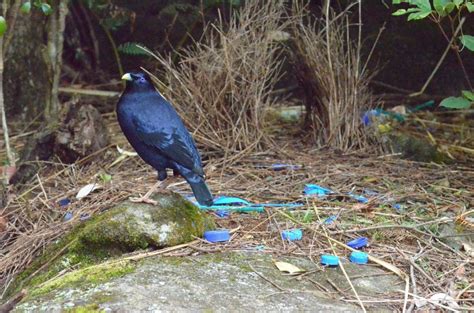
<point>138,81</point>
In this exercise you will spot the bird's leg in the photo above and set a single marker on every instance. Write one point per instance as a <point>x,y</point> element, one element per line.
<point>146,198</point>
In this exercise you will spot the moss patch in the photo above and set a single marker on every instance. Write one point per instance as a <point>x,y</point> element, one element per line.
<point>89,275</point>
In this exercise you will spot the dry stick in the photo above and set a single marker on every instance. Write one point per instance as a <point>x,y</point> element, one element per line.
<point>432,302</point>
<point>268,280</point>
<point>340,263</point>
<point>440,60</point>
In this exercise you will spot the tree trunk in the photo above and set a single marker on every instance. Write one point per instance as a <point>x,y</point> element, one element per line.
<point>27,76</point>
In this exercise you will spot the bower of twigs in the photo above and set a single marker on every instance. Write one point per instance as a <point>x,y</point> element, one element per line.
<point>409,239</point>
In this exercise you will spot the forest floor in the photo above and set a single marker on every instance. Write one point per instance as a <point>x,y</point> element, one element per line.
<point>417,216</point>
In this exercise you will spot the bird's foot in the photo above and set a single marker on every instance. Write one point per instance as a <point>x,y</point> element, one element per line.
<point>143,199</point>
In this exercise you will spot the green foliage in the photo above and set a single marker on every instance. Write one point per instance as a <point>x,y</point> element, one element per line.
<point>467,41</point>
<point>26,7</point>
<point>132,48</point>
<point>38,4</point>
<point>3,26</point>
<point>456,103</point>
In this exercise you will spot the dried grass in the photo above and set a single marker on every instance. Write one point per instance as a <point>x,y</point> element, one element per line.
<point>331,73</point>
<point>221,85</point>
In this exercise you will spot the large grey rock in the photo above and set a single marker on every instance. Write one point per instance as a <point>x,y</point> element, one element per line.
<point>215,283</point>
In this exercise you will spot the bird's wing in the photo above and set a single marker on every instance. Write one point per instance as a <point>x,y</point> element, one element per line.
<point>171,139</point>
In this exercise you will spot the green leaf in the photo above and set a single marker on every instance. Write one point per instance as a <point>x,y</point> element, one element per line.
<point>458,3</point>
<point>399,12</point>
<point>469,95</point>
<point>423,5</point>
<point>449,8</point>
<point>105,177</point>
<point>418,15</point>
<point>467,41</point>
<point>26,7</point>
<point>46,8</point>
<point>132,48</point>
<point>470,7</point>
<point>440,5</point>
<point>456,103</point>
<point>3,26</point>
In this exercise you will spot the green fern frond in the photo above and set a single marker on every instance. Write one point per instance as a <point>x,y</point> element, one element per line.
<point>132,48</point>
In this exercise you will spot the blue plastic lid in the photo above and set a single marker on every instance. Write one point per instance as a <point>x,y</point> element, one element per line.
<point>64,202</point>
<point>358,243</point>
<point>359,257</point>
<point>329,260</point>
<point>217,235</point>
<point>292,234</point>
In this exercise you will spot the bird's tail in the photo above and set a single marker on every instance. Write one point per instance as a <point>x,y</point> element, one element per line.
<point>201,192</point>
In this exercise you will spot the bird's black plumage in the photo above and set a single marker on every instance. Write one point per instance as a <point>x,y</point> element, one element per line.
<point>158,134</point>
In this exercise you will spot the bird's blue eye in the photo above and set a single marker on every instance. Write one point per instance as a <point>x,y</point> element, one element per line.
<point>142,79</point>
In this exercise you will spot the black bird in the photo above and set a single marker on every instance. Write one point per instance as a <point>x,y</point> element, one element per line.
<point>158,135</point>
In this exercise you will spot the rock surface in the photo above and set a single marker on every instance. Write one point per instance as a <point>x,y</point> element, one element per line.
<point>214,283</point>
<point>127,227</point>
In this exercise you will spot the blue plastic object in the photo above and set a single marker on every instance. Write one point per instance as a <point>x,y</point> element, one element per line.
<point>358,243</point>
<point>282,166</point>
<point>224,200</point>
<point>316,190</point>
<point>84,216</point>
<point>398,206</point>
<point>64,202</point>
<point>329,260</point>
<point>359,198</point>
<point>292,234</point>
<point>222,213</point>
<point>217,235</point>
<point>330,220</point>
<point>67,216</point>
<point>359,257</point>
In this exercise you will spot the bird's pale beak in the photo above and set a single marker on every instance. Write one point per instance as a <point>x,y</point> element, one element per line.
<point>127,76</point>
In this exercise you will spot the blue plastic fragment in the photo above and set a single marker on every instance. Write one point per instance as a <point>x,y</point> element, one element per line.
<point>292,234</point>
<point>329,260</point>
<point>359,257</point>
<point>260,247</point>
<point>84,216</point>
<point>397,206</point>
<point>358,243</point>
<point>224,200</point>
<point>359,198</point>
<point>222,213</point>
<point>330,220</point>
<point>67,216</point>
<point>370,193</point>
<point>282,166</point>
<point>316,190</point>
<point>64,202</point>
<point>217,235</point>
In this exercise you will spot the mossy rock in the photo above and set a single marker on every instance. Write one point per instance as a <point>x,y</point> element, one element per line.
<point>127,227</point>
<point>131,226</point>
<point>416,149</point>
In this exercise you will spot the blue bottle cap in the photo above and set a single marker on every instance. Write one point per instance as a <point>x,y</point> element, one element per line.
<point>64,202</point>
<point>329,260</point>
<point>358,243</point>
<point>217,235</point>
<point>359,257</point>
<point>292,234</point>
